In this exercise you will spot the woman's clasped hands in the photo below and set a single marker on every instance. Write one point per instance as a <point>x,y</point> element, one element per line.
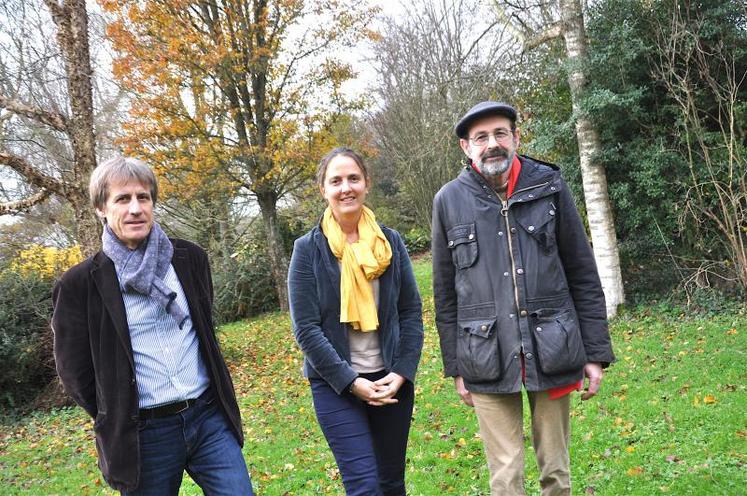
<point>380,392</point>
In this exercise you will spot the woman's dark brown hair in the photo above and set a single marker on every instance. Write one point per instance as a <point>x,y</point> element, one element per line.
<point>321,170</point>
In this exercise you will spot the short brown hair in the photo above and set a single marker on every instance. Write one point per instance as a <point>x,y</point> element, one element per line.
<point>120,169</point>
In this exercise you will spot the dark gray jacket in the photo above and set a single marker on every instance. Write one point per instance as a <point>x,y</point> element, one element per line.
<point>314,294</point>
<point>515,277</point>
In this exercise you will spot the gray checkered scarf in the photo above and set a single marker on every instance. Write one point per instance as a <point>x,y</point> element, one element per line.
<point>143,269</point>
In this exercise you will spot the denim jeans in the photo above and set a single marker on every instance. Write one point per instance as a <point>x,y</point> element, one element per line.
<point>369,442</point>
<point>197,440</point>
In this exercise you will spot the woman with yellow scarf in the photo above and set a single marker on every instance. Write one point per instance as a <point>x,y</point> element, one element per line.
<point>357,317</point>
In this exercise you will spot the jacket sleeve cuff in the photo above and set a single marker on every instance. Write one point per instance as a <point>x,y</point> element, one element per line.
<point>343,382</point>
<point>603,356</point>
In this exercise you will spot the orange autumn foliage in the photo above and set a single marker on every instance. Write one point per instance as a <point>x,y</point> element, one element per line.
<point>232,94</point>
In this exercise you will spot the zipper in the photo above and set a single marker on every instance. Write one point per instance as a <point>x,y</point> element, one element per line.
<point>504,214</point>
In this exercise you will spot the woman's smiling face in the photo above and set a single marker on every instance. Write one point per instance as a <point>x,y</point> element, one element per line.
<point>344,187</point>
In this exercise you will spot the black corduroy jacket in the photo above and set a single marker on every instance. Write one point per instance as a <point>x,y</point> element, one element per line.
<point>93,354</point>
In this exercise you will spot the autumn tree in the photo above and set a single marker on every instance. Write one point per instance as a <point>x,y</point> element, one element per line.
<point>47,142</point>
<point>233,96</point>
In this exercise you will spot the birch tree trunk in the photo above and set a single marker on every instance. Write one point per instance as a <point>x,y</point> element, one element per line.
<point>598,207</point>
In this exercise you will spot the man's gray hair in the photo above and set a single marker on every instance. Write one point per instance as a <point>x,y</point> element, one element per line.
<point>122,170</point>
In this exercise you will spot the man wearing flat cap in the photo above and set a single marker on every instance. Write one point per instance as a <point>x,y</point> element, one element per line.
<point>519,303</point>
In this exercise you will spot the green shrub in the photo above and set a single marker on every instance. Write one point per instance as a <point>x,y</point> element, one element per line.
<point>417,240</point>
<point>26,363</point>
<point>243,284</point>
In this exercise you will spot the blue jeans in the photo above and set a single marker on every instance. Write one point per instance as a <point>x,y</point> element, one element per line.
<point>197,440</point>
<point>369,442</point>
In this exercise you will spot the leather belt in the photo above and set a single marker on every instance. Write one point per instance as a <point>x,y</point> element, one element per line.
<point>166,410</point>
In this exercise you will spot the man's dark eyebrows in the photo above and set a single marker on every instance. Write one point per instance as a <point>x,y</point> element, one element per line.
<point>121,195</point>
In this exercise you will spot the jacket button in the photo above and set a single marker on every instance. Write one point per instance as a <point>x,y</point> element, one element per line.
<point>513,229</point>
<point>530,228</point>
<point>520,271</point>
<point>483,328</point>
<point>500,233</point>
<point>451,243</point>
<point>531,196</point>
<point>511,315</point>
<point>539,329</point>
<point>529,356</point>
<point>471,236</point>
<point>552,188</point>
<point>523,313</point>
<point>552,212</point>
<point>505,274</point>
<point>132,381</point>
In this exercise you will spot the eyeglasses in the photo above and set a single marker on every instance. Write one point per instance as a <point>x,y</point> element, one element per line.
<point>482,138</point>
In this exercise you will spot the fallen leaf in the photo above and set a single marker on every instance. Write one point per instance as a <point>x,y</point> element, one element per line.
<point>635,471</point>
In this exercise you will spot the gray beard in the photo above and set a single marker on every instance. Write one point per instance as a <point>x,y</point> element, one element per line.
<point>494,169</point>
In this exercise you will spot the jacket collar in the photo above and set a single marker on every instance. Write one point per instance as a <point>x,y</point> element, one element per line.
<point>536,176</point>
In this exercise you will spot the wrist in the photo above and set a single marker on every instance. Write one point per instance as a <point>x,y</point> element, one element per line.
<point>352,386</point>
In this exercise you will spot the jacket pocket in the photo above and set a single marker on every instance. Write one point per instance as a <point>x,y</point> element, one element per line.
<point>539,223</point>
<point>478,353</point>
<point>462,241</point>
<point>558,341</point>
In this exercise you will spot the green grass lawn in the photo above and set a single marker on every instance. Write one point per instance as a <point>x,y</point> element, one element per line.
<point>671,418</point>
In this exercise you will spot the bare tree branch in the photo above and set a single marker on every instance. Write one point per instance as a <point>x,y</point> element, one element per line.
<point>550,33</point>
<point>31,174</point>
<point>54,120</point>
<point>19,206</point>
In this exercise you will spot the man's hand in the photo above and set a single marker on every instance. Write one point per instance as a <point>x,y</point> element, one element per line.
<point>593,373</point>
<point>462,391</point>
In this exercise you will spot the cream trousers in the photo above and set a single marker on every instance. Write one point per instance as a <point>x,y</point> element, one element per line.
<point>502,431</point>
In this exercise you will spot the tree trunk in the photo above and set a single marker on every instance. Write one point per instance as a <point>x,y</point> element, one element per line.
<point>598,207</point>
<point>71,20</point>
<point>278,260</point>
<point>87,227</point>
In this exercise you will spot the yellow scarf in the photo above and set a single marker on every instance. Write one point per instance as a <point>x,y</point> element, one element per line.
<point>362,262</point>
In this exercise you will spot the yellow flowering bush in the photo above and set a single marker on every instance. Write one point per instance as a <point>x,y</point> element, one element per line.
<point>46,261</point>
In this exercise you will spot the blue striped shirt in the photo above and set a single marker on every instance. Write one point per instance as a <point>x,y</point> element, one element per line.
<point>168,364</point>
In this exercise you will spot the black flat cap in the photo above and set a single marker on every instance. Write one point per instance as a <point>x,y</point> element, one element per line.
<point>483,109</point>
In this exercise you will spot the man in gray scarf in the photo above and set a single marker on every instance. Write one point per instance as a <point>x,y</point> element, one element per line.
<point>135,347</point>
